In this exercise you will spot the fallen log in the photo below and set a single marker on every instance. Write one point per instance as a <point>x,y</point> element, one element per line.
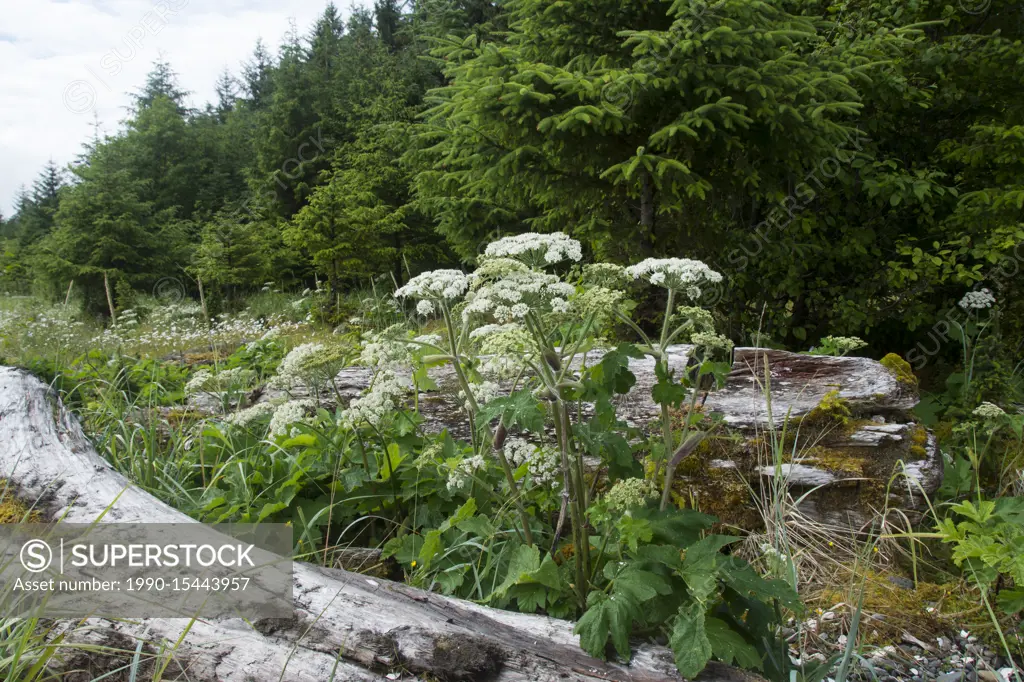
<point>842,473</point>
<point>345,626</point>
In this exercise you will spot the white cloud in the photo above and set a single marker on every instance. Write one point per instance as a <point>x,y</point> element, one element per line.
<point>64,60</point>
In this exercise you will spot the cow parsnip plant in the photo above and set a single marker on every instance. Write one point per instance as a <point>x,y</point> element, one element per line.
<point>628,561</point>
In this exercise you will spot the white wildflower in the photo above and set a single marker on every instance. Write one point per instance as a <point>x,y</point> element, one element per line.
<point>711,341</point>
<point>989,411</point>
<point>627,494</point>
<point>607,275</point>
<point>536,249</point>
<point>199,382</point>
<point>431,339</point>
<point>977,300</point>
<point>493,269</point>
<point>843,344</point>
<point>679,274</point>
<point>435,285</point>
<point>425,307</point>
<point>381,401</point>
<point>250,415</point>
<point>484,392</point>
<point>287,415</point>
<point>542,463</point>
<point>462,475</point>
<point>515,295</point>
<point>596,300</point>
<point>384,350</point>
<point>488,329</point>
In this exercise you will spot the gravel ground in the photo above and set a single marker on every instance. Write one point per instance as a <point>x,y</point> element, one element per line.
<point>958,658</point>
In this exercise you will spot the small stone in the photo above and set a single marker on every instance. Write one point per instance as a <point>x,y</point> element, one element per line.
<point>900,581</point>
<point>957,676</point>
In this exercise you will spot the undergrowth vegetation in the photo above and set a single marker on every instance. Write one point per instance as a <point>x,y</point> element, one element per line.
<point>535,493</point>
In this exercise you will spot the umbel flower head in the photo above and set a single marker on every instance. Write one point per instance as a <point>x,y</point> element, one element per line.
<point>977,300</point>
<point>516,294</point>
<point>679,274</point>
<point>536,250</point>
<point>989,411</point>
<point>434,286</point>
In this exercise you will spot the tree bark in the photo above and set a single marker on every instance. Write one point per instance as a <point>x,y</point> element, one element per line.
<point>202,300</point>
<point>110,299</point>
<point>345,626</point>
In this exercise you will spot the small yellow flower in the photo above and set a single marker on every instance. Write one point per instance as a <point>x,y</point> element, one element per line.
<point>831,544</point>
<point>413,564</point>
<point>876,550</point>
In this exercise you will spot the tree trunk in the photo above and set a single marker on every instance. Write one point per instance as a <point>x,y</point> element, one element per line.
<point>647,203</point>
<point>110,299</point>
<point>346,626</point>
<point>202,300</point>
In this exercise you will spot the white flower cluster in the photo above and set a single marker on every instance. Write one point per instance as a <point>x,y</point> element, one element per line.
<point>198,382</point>
<point>989,411</point>
<point>977,300</point>
<point>381,401</point>
<point>536,249</point>
<point>711,341</point>
<point>171,328</point>
<point>486,330</point>
<point>627,494</point>
<point>843,344</point>
<point>606,275</point>
<point>678,274</point>
<point>515,295</point>
<point>228,380</point>
<point>434,285</point>
<point>504,348</point>
<point>491,269</point>
<point>295,367</point>
<point>484,392</point>
<point>461,476</point>
<point>542,464</point>
<point>598,301</point>
<point>287,415</point>
<point>384,350</point>
<point>247,417</point>
<point>432,339</point>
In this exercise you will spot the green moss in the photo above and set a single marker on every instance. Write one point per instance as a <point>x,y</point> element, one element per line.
<point>919,438</point>
<point>900,369</point>
<point>12,510</point>
<point>830,411</point>
<point>835,460</point>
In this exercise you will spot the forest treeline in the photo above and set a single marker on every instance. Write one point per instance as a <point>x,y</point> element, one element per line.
<point>850,167</point>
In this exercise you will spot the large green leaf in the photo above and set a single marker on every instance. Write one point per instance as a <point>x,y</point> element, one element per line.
<point>689,640</point>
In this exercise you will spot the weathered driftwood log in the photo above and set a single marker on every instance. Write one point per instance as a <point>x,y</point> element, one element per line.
<point>345,626</point>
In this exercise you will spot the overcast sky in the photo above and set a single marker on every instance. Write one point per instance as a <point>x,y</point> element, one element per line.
<point>62,60</point>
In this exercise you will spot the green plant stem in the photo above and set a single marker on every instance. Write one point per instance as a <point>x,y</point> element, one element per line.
<point>474,407</point>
